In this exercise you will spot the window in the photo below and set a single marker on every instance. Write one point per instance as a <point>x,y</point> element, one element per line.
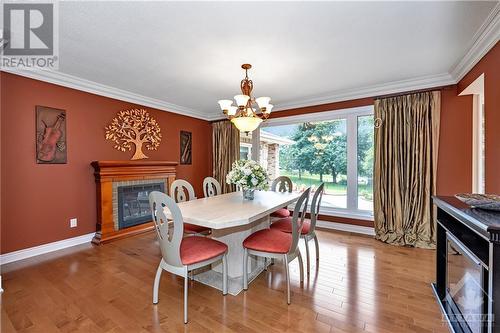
<point>335,148</point>
<point>245,151</point>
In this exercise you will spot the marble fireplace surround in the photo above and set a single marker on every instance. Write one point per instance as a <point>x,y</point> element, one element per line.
<point>111,174</point>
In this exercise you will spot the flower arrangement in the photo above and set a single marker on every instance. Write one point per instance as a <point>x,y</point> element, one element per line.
<point>248,175</point>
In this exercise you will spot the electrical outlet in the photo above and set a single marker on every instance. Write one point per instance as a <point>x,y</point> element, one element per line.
<point>73,223</point>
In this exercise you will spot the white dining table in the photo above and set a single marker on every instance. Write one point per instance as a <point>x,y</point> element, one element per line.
<point>232,219</point>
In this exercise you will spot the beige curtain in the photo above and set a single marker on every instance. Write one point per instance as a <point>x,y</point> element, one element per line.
<point>226,150</point>
<point>406,148</point>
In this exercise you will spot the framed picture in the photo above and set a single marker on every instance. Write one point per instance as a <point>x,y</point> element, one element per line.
<point>50,135</point>
<point>186,139</point>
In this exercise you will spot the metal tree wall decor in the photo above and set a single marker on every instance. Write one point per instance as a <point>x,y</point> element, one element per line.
<point>134,127</point>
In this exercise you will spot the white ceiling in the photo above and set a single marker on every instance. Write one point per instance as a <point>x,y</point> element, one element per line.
<point>189,54</point>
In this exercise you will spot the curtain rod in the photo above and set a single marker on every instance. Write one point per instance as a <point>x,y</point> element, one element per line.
<point>412,92</point>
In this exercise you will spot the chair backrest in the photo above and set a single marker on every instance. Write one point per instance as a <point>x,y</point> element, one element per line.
<point>315,204</point>
<point>211,187</point>
<point>282,184</point>
<point>170,237</point>
<point>182,191</point>
<point>299,213</point>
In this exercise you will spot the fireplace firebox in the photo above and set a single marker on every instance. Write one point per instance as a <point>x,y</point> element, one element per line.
<point>133,203</point>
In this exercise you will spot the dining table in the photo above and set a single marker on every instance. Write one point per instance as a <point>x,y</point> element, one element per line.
<point>232,219</point>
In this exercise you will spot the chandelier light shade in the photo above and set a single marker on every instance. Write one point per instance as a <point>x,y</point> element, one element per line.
<point>249,112</point>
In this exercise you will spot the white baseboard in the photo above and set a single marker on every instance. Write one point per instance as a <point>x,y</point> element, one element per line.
<point>346,227</point>
<point>45,248</point>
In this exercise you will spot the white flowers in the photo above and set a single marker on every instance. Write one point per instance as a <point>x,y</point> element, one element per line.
<point>248,175</point>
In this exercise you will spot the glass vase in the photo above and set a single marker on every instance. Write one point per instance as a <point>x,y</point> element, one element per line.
<point>248,194</point>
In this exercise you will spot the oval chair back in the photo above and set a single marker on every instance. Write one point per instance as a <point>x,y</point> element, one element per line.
<point>299,214</point>
<point>315,204</point>
<point>182,191</point>
<point>169,236</point>
<point>282,184</point>
<point>211,187</point>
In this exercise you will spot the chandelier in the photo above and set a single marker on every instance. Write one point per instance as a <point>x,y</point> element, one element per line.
<point>245,116</point>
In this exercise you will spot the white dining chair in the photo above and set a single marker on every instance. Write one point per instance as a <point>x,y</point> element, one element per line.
<point>211,187</point>
<point>274,244</point>
<point>181,255</point>
<point>282,184</point>
<point>181,190</point>
<point>309,229</point>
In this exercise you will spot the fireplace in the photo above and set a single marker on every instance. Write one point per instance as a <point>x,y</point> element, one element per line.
<point>123,188</point>
<point>467,271</point>
<point>133,203</point>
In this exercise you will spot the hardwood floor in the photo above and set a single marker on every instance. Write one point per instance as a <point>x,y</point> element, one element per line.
<point>360,285</point>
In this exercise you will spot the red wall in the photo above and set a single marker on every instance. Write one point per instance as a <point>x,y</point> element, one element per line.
<point>454,173</point>
<point>38,200</point>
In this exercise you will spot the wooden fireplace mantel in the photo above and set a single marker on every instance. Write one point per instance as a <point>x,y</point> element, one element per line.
<point>108,172</point>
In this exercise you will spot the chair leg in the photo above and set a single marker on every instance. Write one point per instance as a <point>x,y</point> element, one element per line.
<point>156,284</point>
<point>307,255</point>
<point>287,271</point>
<point>186,298</point>
<point>224,275</point>
<point>245,269</point>
<point>317,246</point>
<point>301,266</point>
<point>265,263</point>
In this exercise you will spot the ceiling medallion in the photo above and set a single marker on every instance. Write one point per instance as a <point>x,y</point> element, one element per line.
<point>244,116</point>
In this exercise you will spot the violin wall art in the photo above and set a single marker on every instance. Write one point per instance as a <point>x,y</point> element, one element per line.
<point>50,135</point>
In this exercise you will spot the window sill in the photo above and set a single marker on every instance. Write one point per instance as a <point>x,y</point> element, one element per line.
<point>343,213</point>
<point>358,215</point>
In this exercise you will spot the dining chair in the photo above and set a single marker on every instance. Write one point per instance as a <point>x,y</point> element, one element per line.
<point>211,187</point>
<point>182,255</point>
<point>181,191</point>
<point>309,229</point>
<point>274,244</point>
<point>282,184</point>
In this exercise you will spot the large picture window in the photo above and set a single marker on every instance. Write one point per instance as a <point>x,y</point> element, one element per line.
<point>335,148</point>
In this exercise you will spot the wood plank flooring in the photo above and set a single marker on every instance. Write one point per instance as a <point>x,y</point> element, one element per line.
<point>359,285</point>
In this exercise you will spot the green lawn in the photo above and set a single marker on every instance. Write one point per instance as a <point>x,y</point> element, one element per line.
<point>330,188</point>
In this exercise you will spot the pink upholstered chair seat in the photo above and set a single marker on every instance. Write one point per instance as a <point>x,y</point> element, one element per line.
<point>281,213</point>
<point>285,225</point>
<point>269,240</point>
<point>197,249</point>
<point>194,229</point>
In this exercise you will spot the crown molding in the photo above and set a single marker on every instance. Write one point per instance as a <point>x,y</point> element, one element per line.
<point>423,82</point>
<point>77,83</point>
<point>484,39</point>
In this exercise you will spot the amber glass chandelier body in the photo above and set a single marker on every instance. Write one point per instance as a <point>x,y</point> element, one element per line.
<point>244,115</point>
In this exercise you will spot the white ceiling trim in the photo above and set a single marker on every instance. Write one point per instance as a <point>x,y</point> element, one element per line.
<point>485,38</point>
<point>77,83</point>
<point>372,91</point>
